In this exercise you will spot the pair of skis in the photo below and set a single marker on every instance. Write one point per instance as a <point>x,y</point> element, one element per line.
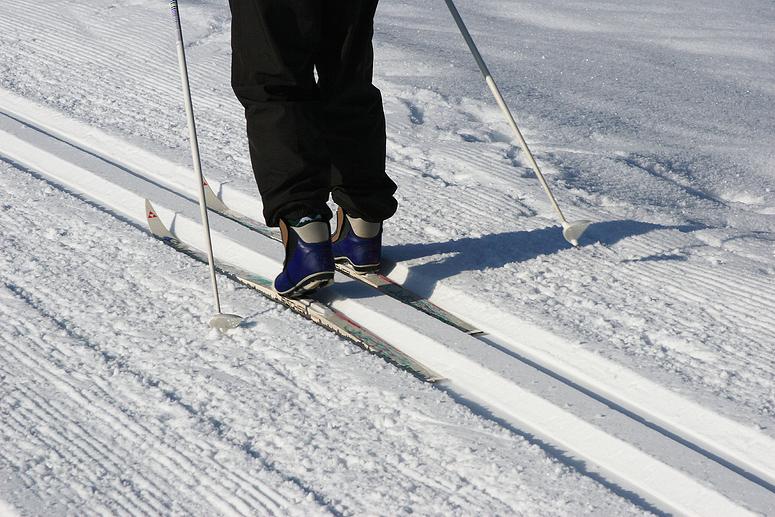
<point>311,308</point>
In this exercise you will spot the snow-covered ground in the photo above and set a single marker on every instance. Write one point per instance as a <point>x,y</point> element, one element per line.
<point>655,121</point>
<point>115,402</point>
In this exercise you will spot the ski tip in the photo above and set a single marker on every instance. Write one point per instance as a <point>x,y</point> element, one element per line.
<point>155,224</point>
<point>212,200</point>
<point>150,213</point>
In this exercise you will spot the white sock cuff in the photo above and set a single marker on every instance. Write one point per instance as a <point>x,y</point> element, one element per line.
<point>364,229</point>
<point>313,233</point>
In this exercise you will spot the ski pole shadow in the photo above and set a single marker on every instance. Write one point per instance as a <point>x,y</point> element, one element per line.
<point>497,250</point>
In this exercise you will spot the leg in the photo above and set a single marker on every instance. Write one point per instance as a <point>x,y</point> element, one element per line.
<point>353,118</point>
<point>275,45</point>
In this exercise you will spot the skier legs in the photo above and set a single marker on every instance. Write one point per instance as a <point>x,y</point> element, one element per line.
<point>310,138</point>
<point>354,127</point>
<point>275,44</point>
<point>353,118</point>
<point>274,47</point>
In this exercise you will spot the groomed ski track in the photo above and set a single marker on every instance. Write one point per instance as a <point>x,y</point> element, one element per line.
<point>668,450</point>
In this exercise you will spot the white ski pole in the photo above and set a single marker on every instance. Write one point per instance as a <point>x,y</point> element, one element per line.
<point>220,320</point>
<point>571,231</point>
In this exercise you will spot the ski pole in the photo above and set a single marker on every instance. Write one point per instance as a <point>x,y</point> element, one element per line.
<point>571,231</point>
<point>220,320</point>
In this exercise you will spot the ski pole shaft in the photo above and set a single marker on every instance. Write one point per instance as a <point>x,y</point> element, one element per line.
<point>195,150</point>
<point>502,104</point>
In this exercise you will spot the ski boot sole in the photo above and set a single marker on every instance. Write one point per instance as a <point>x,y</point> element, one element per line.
<point>360,269</point>
<point>309,285</point>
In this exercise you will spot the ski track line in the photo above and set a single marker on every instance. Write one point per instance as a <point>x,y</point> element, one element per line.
<point>261,491</point>
<point>469,207</point>
<point>730,313</point>
<point>74,462</point>
<point>500,180</point>
<point>160,456</point>
<point>54,60</point>
<point>743,356</point>
<point>700,280</point>
<point>237,503</point>
<point>80,452</point>
<point>110,39</point>
<point>738,287</point>
<point>625,462</point>
<point>168,459</point>
<point>211,103</point>
<point>470,200</point>
<point>26,481</point>
<point>743,295</point>
<point>718,316</point>
<point>452,158</point>
<point>701,288</point>
<point>450,489</point>
<point>459,161</point>
<point>459,155</point>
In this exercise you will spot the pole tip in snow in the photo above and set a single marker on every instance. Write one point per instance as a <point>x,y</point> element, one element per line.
<point>224,322</point>
<point>573,231</point>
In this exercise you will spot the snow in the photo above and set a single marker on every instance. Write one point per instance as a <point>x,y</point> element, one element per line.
<point>653,120</point>
<point>115,401</point>
<point>6,510</point>
<point>476,369</point>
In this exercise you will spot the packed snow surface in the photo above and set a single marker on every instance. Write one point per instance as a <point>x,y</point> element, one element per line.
<point>654,120</point>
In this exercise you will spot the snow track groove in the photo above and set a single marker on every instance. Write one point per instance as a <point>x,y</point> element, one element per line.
<point>235,384</point>
<point>496,386</point>
<point>178,455</point>
<point>677,303</point>
<point>700,288</point>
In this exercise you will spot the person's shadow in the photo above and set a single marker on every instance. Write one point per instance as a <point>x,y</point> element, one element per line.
<point>497,250</point>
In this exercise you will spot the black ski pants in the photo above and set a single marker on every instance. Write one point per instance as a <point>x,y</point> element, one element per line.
<point>312,137</point>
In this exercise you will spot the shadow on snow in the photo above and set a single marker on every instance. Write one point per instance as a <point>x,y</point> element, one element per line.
<point>498,250</point>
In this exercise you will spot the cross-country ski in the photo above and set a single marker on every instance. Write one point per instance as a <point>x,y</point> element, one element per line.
<point>314,310</point>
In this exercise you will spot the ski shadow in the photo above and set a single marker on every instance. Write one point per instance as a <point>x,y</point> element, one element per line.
<point>497,250</point>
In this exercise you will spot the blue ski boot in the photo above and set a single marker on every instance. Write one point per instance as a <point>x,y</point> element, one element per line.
<point>357,243</point>
<point>309,263</point>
